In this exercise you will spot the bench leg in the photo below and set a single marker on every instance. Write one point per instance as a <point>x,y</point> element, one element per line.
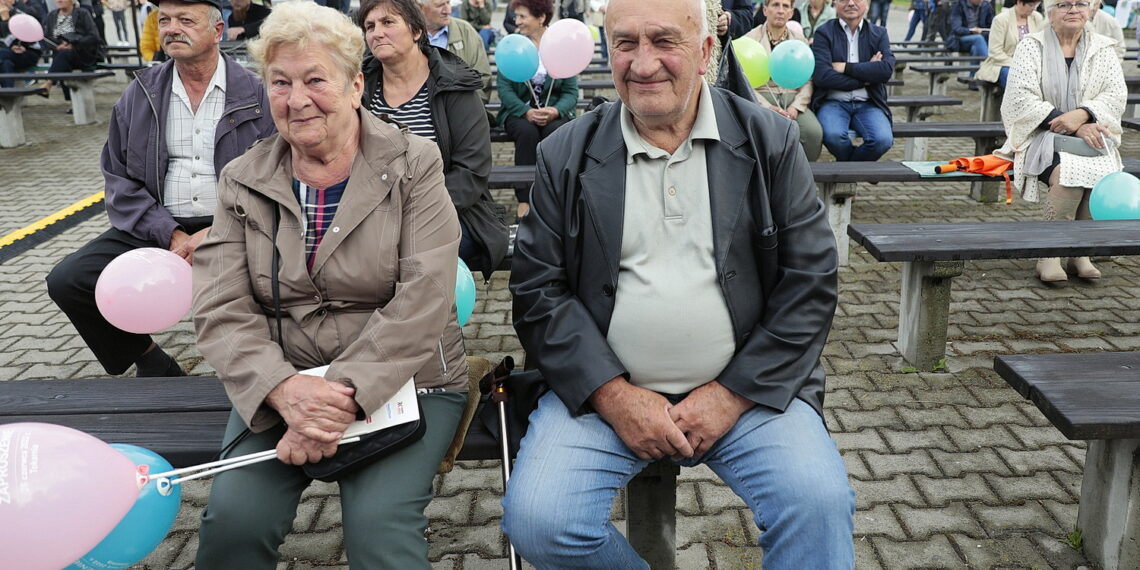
<point>1109,514</point>
<point>12,122</point>
<point>915,149</point>
<point>836,197</point>
<point>82,101</point>
<point>991,104</point>
<point>651,514</point>
<point>987,191</point>
<point>924,310</point>
<point>938,83</point>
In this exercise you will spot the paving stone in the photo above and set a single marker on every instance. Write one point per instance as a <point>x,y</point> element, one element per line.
<point>724,556</point>
<point>1048,459</point>
<point>1029,515</point>
<point>887,465</point>
<point>951,518</point>
<point>727,527</point>
<point>937,552</point>
<point>879,520</point>
<point>931,438</point>
<point>1039,486</point>
<point>941,491</point>
<point>980,461</point>
<point>1003,414</point>
<point>856,467</point>
<point>975,438</point>
<point>488,507</point>
<point>893,491</point>
<point>933,416</point>
<point>856,420</point>
<point>866,439</point>
<point>1037,437</point>
<point>1013,552</point>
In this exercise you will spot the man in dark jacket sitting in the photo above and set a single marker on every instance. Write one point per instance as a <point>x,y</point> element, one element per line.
<point>969,25</point>
<point>674,283</point>
<point>853,62</point>
<point>170,135</point>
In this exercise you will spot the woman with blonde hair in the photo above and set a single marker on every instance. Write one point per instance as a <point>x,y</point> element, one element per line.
<point>1007,29</point>
<point>1062,110</point>
<point>334,243</point>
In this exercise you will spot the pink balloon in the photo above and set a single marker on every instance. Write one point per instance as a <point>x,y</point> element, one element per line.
<point>566,48</point>
<point>26,28</point>
<point>144,290</point>
<point>61,492</point>
<point>795,27</point>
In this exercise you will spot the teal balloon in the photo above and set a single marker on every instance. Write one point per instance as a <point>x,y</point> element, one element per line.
<point>516,57</point>
<point>464,293</point>
<point>1109,9</point>
<point>791,64</point>
<point>145,525</point>
<point>1116,197</point>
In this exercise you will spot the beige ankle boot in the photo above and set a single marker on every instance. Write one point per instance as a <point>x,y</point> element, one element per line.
<point>1081,266</point>
<point>1056,207</point>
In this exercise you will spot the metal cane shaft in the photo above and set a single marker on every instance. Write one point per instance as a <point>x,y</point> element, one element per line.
<point>505,449</point>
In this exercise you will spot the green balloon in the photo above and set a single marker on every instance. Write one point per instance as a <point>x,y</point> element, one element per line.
<point>753,60</point>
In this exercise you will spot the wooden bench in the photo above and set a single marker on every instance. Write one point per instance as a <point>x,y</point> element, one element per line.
<point>82,85</point>
<point>985,135</point>
<point>183,420</point>
<point>836,182</point>
<point>124,72</point>
<point>901,63</point>
<point>933,254</point>
<point>939,74</point>
<point>919,107</point>
<point>12,115</point>
<point>1093,397</point>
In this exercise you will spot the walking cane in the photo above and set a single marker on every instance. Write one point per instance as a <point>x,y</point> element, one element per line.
<point>495,383</point>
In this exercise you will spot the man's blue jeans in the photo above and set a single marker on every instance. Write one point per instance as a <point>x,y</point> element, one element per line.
<point>976,44</point>
<point>839,118</point>
<point>784,465</point>
<point>879,11</point>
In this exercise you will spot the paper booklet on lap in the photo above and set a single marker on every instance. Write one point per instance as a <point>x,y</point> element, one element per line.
<point>402,408</point>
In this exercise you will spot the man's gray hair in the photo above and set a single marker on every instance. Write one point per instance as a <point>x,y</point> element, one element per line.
<point>216,15</point>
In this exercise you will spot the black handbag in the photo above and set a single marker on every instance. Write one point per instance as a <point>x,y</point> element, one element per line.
<point>349,457</point>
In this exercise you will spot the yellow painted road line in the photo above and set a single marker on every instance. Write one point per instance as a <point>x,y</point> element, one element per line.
<point>42,223</point>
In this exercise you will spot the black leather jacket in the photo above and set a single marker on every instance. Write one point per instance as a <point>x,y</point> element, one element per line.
<point>776,256</point>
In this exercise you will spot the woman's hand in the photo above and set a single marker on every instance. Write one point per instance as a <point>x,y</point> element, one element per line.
<point>1092,133</point>
<point>63,46</point>
<point>17,48</point>
<point>791,113</point>
<point>1068,123</point>
<point>536,116</point>
<point>314,407</point>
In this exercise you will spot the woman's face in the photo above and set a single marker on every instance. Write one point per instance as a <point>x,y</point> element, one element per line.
<point>1069,16</point>
<point>778,12</point>
<point>1023,9</point>
<point>388,35</point>
<point>65,5</point>
<point>309,96</point>
<point>529,24</point>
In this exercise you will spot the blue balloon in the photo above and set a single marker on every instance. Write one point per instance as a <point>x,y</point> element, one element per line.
<point>1111,11</point>
<point>464,293</point>
<point>791,64</point>
<point>145,525</point>
<point>516,57</point>
<point>1116,197</point>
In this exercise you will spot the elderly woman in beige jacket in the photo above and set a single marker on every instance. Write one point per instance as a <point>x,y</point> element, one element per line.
<point>1064,81</point>
<point>355,210</point>
<point>791,103</point>
<point>1007,29</point>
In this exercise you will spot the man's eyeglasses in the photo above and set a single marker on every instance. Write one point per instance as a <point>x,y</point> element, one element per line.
<point>1068,6</point>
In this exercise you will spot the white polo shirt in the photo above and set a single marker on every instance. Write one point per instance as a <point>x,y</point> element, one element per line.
<point>670,325</point>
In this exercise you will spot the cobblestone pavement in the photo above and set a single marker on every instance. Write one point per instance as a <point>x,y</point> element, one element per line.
<point>951,469</point>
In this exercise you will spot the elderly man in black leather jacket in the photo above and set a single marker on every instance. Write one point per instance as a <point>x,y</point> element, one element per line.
<point>675,282</point>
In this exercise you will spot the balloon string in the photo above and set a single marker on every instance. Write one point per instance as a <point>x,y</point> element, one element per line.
<point>549,91</point>
<point>530,85</point>
<point>226,464</point>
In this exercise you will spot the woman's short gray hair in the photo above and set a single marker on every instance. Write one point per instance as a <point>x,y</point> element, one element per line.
<point>299,24</point>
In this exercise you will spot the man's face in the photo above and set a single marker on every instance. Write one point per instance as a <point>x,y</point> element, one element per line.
<point>186,32</point>
<point>658,55</point>
<point>976,2</point>
<point>239,4</point>
<point>851,11</point>
<point>437,13</point>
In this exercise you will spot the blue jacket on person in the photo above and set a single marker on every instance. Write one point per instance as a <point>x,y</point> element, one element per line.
<point>958,21</point>
<point>830,44</point>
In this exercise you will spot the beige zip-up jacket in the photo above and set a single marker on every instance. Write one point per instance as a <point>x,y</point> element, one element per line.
<point>379,304</point>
